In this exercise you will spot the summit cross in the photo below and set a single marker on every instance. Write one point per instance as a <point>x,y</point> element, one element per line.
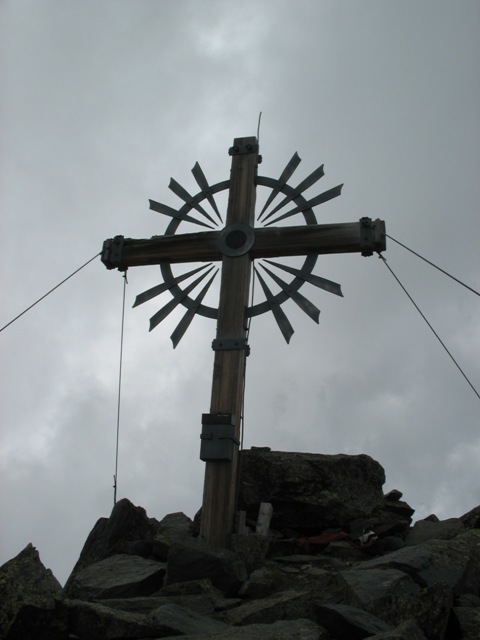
<point>236,246</point>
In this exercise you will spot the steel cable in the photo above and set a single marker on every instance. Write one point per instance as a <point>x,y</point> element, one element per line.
<point>430,326</point>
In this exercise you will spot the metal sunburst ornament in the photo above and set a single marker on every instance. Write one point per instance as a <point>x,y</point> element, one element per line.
<point>238,241</point>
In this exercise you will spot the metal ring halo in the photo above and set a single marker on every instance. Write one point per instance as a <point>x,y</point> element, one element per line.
<point>256,309</point>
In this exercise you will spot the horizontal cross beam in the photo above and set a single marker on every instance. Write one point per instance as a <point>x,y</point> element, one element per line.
<point>366,236</point>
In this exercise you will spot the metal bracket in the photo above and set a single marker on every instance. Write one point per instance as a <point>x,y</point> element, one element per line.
<point>367,236</point>
<point>372,236</point>
<point>218,439</point>
<point>237,150</point>
<point>112,252</point>
<point>230,344</point>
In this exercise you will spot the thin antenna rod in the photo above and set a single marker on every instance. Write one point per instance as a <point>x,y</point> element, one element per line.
<point>115,477</point>
<point>258,127</point>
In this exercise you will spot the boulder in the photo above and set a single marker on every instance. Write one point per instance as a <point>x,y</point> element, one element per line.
<point>119,576</point>
<point>173,527</point>
<point>349,623</point>
<point>467,622</point>
<point>192,560</point>
<point>96,621</point>
<point>128,530</point>
<point>29,599</point>
<point>278,630</point>
<point>286,605</point>
<point>424,530</point>
<point>310,492</point>
<point>368,574</point>
<point>453,562</point>
<point>408,630</point>
<point>471,519</point>
<point>184,621</point>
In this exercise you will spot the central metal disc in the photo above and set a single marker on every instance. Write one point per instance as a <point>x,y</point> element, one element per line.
<point>236,239</point>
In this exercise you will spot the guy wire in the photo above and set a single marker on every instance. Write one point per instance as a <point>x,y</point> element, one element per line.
<point>242,417</point>
<point>429,325</point>
<point>49,292</point>
<point>115,477</point>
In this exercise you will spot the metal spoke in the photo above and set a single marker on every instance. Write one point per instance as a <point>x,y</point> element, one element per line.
<point>170,306</point>
<point>309,204</point>
<point>279,315</point>
<point>173,213</point>
<point>282,181</point>
<point>305,305</point>
<point>161,288</point>
<point>205,187</point>
<point>317,281</point>
<point>305,184</point>
<point>186,197</point>
<point>185,322</point>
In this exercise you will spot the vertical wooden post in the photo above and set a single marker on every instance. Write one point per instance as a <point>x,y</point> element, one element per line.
<point>219,492</point>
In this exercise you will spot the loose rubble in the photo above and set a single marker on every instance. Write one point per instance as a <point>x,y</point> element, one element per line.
<point>341,561</point>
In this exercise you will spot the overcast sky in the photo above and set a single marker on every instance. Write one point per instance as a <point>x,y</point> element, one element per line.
<point>101,103</point>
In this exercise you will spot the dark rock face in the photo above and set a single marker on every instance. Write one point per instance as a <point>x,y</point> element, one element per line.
<point>128,530</point>
<point>120,576</point>
<point>29,595</point>
<point>336,565</point>
<point>310,492</point>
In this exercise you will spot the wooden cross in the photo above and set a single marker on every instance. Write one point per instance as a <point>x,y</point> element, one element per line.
<point>236,246</point>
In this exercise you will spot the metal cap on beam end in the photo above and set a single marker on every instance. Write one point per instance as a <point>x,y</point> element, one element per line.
<point>112,253</point>
<point>372,236</point>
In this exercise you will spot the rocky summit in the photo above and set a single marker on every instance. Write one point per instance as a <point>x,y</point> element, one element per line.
<point>320,553</point>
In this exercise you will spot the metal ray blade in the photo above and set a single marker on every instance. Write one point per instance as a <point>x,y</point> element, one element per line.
<point>186,197</point>
<point>305,184</point>
<point>305,305</point>
<point>205,187</point>
<point>173,213</point>
<point>184,323</point>
<point>282,320</point>
<point>317,281</point>
<point>309,204</point>
<point>161,288</point>
<point>170,306</point>
<point>282,181</point>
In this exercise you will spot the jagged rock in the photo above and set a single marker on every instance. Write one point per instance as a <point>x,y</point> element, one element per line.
<point>450,561</point>
<point>252,549</point>
<point>393,495</point>
<point>95,621</point>
<point>192,560</point>
<point>408,630</point>
<point>394,597</point>
<point>310,492</point>
<point>355,578</point>
<point>119,576</point>
<point>348,623</point>
<point>467,622</point>
<point>128,530</point>
<point>400,508</point>
<point>29,596</point>
<point>174,526</point>
<point>278,630</point>
<point>471,519</point>
<point>368,586</point>
<point>424,530</point>
<point>141,605</point>
<point>185,621</point>
<point>286,605</point>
